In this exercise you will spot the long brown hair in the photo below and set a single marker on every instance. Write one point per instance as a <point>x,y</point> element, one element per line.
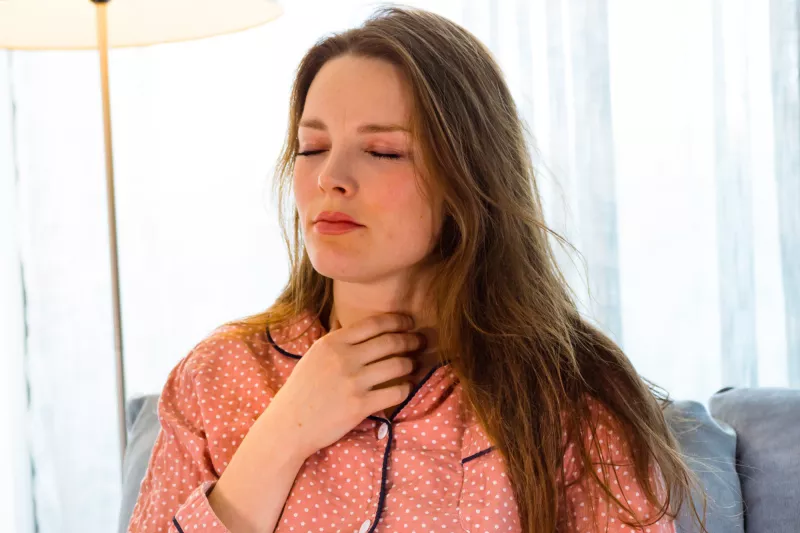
<point>525,356</point>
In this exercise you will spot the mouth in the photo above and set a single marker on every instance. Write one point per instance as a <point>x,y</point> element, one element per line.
<point>328,227</point>
<point>335,223</point>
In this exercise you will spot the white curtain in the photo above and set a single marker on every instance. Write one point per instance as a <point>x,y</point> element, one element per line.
<point>667,137</point>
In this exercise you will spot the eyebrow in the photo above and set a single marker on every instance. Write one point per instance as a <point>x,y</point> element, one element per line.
<point>315,123</point>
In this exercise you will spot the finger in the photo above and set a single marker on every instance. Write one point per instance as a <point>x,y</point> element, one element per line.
<point>387,344</point>
<point>373,326</point>
<point>381,399</point>
<point>384,371</point>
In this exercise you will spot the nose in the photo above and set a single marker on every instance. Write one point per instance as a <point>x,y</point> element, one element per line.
<point>335,177</point>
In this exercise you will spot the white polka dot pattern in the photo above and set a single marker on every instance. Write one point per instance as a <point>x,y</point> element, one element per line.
<point>587,501</point>
<point>440,472</point>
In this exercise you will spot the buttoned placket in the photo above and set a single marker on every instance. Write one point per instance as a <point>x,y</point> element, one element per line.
<point>385,430</point>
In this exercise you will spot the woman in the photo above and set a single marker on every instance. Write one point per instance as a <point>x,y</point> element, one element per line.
<point>425,368</point>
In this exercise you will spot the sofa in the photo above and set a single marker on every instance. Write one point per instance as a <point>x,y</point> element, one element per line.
<point>744,448</point>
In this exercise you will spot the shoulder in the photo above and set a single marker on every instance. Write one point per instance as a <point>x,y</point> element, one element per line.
<point>600,433</point>
<point>229,356</point>
<point>230,345</point>
<point>613,491</point>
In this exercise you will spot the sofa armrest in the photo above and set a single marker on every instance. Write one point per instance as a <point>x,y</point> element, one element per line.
<point>709,448</point>
<point>143,427</point>
<point>767,425</point>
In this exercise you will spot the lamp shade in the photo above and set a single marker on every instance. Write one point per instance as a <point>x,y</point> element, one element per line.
<point>72,24</point>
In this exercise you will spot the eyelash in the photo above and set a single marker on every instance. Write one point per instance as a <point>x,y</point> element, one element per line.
<point>378,155</point>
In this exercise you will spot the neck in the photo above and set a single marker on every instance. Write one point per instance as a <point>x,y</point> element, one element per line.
<point>356,301</point>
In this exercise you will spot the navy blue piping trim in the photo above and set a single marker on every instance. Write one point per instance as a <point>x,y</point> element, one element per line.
<point>476,455</point>
<point>281,350</point>
<point>382,495</point>
<point>384,468</point>
<point>176,524</point>
<point>415,390</point>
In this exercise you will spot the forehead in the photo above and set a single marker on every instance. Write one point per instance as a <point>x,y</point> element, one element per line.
<point>350,90</point>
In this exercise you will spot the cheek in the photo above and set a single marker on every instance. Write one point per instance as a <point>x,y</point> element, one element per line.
<point>408,215</point>
<point>303,186</point>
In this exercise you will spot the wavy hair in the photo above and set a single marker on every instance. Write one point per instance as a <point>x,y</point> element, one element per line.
<point>525,356</point>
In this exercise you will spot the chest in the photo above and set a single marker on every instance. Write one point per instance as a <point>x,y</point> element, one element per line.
<point>403,476</point>
<point>426,467</point>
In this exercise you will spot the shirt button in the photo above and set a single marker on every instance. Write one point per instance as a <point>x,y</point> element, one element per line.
<point>364,527</point>
<point>383,430</point>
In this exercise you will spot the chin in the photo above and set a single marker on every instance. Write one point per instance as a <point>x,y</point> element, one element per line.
<point>339,266</point>
<point>346,274</point>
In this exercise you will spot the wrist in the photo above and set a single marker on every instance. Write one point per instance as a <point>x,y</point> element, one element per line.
<point>286,435</point>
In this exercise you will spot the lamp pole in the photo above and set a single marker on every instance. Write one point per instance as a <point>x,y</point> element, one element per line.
<point>102,46</point>
<point>71,25</point>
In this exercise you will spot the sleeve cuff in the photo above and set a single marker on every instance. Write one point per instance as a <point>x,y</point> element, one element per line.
<point>197,514</point>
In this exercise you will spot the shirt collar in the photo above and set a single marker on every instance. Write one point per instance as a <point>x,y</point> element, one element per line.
<point>294,338</point>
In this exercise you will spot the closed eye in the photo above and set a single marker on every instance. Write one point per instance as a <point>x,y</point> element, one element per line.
<point>379,155</point>
<point>310,152</point>
<point>384,156</point>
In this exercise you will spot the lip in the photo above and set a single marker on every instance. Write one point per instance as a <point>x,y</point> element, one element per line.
<point>327,227</point>
<point>335,216</point>
<point>335,223</point>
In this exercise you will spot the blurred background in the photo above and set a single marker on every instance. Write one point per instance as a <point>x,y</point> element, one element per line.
<point>666,135</point>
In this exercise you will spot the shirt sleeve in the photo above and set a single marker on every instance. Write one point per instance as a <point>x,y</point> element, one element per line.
<point>588,508</point>
<point>180,474</point>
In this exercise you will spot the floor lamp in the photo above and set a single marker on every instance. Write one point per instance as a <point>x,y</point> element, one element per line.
<point>102,24</point>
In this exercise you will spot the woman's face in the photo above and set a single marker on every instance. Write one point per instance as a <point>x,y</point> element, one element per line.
<point>355,157</point>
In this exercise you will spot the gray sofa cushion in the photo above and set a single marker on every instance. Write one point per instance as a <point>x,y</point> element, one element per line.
<point>143,426</point>
<point>767,425</point>
<point>709,448</point>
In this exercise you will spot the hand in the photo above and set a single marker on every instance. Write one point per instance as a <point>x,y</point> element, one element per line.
<point>342,379</point>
